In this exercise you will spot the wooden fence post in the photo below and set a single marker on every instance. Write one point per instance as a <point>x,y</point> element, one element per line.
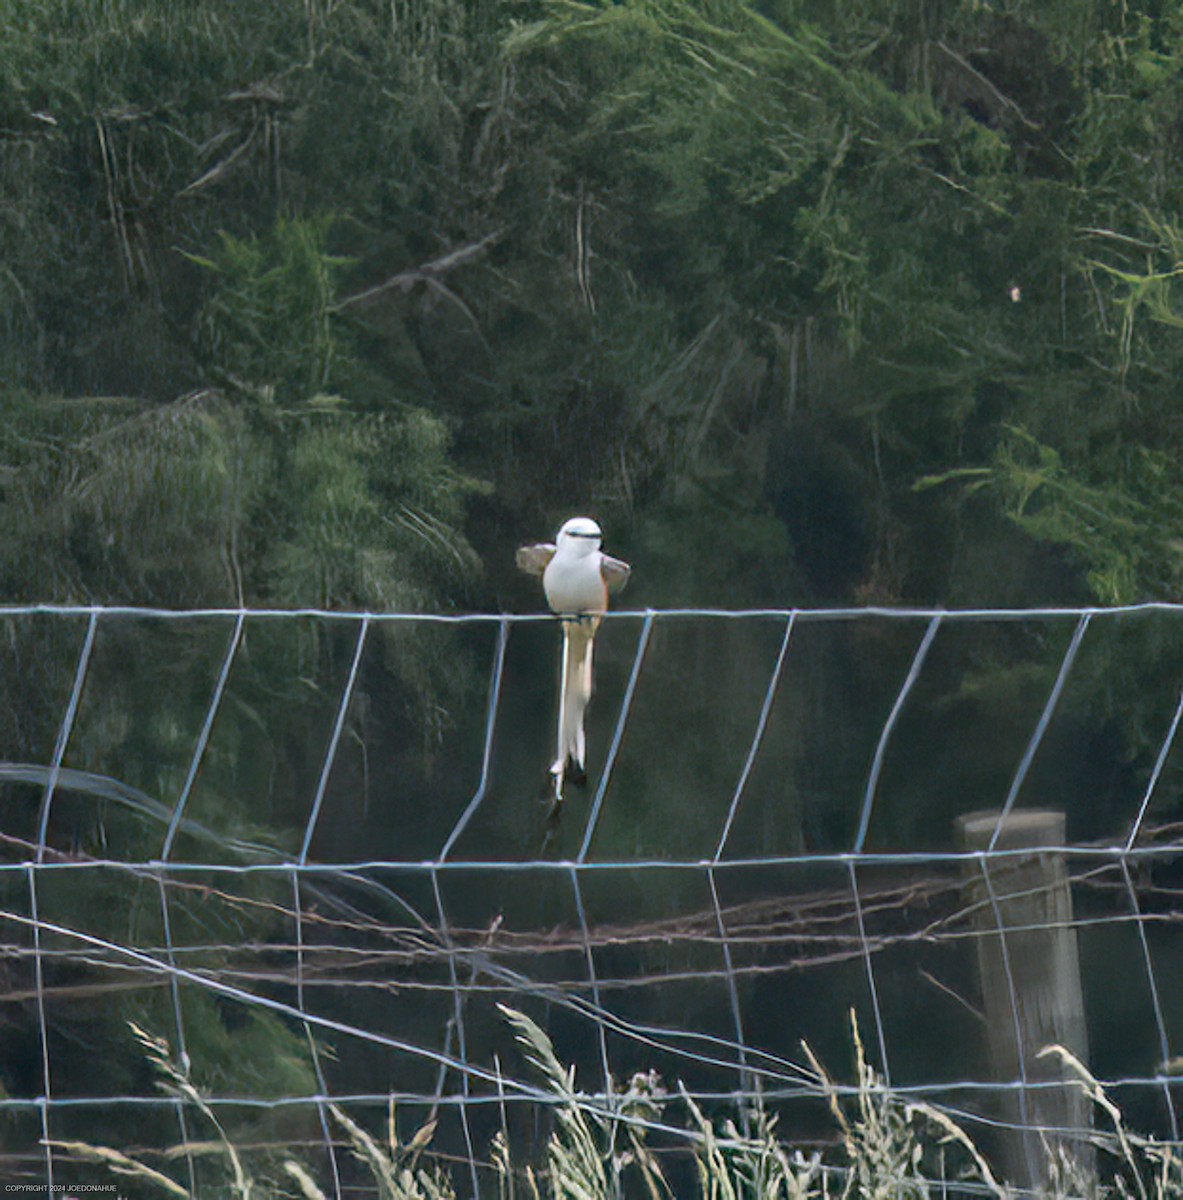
<point>1029,967</point>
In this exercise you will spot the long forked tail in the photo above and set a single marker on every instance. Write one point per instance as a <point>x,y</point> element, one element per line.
<point>575,691</point>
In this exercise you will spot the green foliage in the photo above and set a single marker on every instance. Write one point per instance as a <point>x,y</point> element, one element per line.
<point>267,326</point>
<point>707,545</point>
<point>1124,531</point>
<point>278,492</point>
<point>197,503</point>
<point>675,236</point>
<point>113,489</point>
<point>931,211</point>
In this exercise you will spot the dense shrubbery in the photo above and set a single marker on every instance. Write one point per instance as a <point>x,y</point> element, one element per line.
<point>685,264</point>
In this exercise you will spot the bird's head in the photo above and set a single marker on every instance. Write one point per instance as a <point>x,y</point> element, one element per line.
<point>579,535</point>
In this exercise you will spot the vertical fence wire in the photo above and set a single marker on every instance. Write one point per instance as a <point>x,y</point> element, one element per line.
<point>1044,721</point>
<point>757,736</point>
<point>1013,997</point>
<point>310,1040</point>
<point>885,736</point>
<point>869,966</point>
<point>174,824</point>
<point>1160,1025</point>
<point>456,1021</point>
<point>67,727</point>
<point>174,990</point>
<point>331,752</point>
<point>59,753</point>
<point>487,756</point>
<point>1160,762</point>
<point>46,1097</point>
<point>592,979</point>
<point>203,737</point>
<point>626,705</point>
<point>749,1084</point>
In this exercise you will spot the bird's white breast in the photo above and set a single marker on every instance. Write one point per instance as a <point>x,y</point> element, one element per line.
<point>574,584</point>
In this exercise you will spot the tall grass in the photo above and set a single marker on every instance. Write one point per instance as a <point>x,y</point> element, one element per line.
<point>886,1148</point>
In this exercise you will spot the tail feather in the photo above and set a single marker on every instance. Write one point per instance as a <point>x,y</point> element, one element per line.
<point>578,639</point>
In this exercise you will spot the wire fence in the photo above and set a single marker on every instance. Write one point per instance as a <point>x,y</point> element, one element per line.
<point>769,842</point>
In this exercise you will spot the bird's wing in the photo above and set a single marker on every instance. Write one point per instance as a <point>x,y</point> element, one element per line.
<point>533,559</point>
<point>614,572</point>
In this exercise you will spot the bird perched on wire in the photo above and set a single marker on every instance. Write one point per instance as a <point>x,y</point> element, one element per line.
<point>578,579</point>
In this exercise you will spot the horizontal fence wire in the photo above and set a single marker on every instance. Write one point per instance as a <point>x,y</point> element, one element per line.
<point>685,985</point>
<point>718,614</point>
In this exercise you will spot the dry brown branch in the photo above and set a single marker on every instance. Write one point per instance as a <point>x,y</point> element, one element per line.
<point>428,273</point>
<point>1001,97</point>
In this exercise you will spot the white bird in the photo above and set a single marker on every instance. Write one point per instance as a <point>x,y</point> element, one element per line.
<point>578,580</point>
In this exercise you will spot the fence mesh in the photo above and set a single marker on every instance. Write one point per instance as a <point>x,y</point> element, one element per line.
<point>306,848</point>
